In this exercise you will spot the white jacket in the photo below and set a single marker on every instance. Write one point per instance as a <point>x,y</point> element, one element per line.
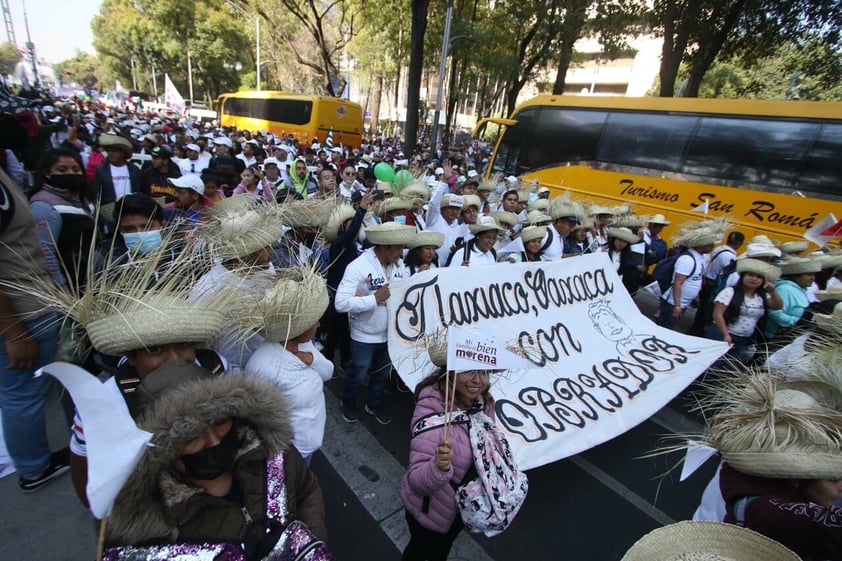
<point>355,296</point>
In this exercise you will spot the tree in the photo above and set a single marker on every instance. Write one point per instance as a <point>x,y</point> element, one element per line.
<point>9,58</point>
<point>416,68</point>
<point>84,69</point>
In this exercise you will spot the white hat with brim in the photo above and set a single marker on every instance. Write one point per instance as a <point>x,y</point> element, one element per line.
<point>505,218</point>
<point>794,247</point>
<point>764,239</point>
<point>799,266</point>
<point>395,204</point>
<point>232,205</point>
<point>707,541</point>
<point>390,233</point>
<point>489,185</point>
<point>223,140</point>
<point>155,321</point>
<point>766,270</point>
<point>538,204</point>
<point>564,207</point>
<point>831,293</point>
<point>485,224</point>
<point>659,219</point>
<point>241,234</point>
<point>425,239</point>
<point>416,190</point>
<point>702,233</point>
<point>831,322</point>
<point>623,234</point>
<point>293,304</point>
<point>116,141</point>
<point>190,181</point>
<point>533,233</point>
<point>454,201</point>
<point>760,250</point>
<point>538,218</point>
<point>192,147</point>
<point>597,210</point>
<point>271,161</point>
<point>471,200</point>
<point>830,262</point>
<point>336,220</point>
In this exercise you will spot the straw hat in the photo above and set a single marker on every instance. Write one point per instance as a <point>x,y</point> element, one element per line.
<point>116,141</point>
<point>829,261</point>
<point>308,213</point>
<point>415,191</point>
<point>769,272</point>
<point>565,207</point>
<point>436,346</point>
<point>832,293</point>
<point>426,238</point>
<point>764,239</point>
<point>488,185</point>
<point>471,200</point>
<point>707,541</point>
<point>538,204</point>
<point>390,233</point>
<point>337,218</point>
<point>392,205</point>
<point>232,205</point>
<point>505,218</point>
<point>155,320</point>
<point>451,201</point>
<point>765,429</point>
<point>596,210</point>
<point>798,266</point>
<point>629,221</point>
<point>523,195</point>
<point>235,236</point>
<point>755,249</point>
<point>659,219</point>
<point>623,234</point>
<point>586,224</point>
<point>698,234</point>
<point>485,224</point>
<point>831,322</point>
<point>790,248</point>
<point>538,218</point>
<point>533,233</point>
<point>293,304</point>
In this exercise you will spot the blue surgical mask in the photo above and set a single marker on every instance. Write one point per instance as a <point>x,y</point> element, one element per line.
<point>143,242</point>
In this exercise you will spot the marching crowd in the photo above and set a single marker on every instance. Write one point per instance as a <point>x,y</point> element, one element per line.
<point>215,279</point>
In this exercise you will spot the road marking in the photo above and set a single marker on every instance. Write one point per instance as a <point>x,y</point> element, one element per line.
<point>355,455</point>
<point>636,500</point>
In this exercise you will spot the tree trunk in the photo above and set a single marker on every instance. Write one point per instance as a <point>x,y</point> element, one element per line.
<point>416,67</point>
<point>710,49</point>
<point>376,95</point>
<point>574,21</point>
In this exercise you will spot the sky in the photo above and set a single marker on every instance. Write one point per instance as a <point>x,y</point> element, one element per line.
<point>58,27</point>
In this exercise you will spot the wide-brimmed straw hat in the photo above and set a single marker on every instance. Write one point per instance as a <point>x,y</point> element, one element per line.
<point>487,185</point>
<point>538,204</point>
<point>597,210</point>
<point>831,322</point>
<point>629,221</point>
<point>503,217</point>
<point>707,541</point>
<point>659,219</point>
<point>392,205</point>
<point>390,233</point>
<point>426,238</point>
<point>471,200</point>
<point>454,201</point>
<point>238,235</point>
<point>830,261</point>
<point>767,430</point>
<point>799,266</point>
<point>565,207</point>
<point>293,303</point>
<point>336,220</point>
<point>764,239</point>
<point>153,321</point>
<point>790,248</point>
<point>831,293</point>
<point>417,190</point>
<point>623,234</point>
<point>232,205</point>
<point>760,250</point>
<point>702,233</point>
<point>485,224</point>
<point>116,141</point>
<point>538,218</point>
<point>768,271</point>
<point>308,213</point>
<point>533,233</point>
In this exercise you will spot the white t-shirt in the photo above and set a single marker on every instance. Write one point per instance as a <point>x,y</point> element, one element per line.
<point>832,281</point>
<point>751,310</point>
<point>720,258</point>
<point>122,181</point>
<point>692,266</point>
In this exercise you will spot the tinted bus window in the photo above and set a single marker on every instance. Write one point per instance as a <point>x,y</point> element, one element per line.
<point>293,111</point>
<point>823,167</point>
<point>564,135</point>
<point>517,144</point>
<point>646,140</point>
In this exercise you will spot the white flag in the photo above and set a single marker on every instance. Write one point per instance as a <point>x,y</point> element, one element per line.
<point>704,207</point>
<point>172,98</point>
<point>814,234</point>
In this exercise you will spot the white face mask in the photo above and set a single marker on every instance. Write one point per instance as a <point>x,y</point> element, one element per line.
<point>143,242</point>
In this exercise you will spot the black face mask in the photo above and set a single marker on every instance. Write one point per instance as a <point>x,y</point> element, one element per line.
<point>212,462</point>
<point>69,182</point>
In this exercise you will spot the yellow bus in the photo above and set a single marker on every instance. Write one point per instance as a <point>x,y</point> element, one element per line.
<point>774,167</point>
<point>303,117</point>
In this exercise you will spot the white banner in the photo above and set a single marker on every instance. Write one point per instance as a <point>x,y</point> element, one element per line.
<point>172,98</point>
<point>598,366</point>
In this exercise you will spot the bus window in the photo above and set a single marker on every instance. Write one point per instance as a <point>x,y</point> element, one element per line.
<point>646,140</point>
<point>823,167</point>
<point>564,135</point>
<point>292,111</point>
<point>517,145</point>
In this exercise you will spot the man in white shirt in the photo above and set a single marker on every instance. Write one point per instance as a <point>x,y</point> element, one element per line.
<point>247,155</point>
<point>480,249</point>
<point>362,294</point>
<point>195,162</point>
<point>720,260</point>
<point>116,176</point>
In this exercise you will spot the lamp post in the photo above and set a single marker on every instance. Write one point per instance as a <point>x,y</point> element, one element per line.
<point>445,48</point>
<point>256,36</point>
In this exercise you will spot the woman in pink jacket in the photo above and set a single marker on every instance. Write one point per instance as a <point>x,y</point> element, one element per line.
<point>438,466</point>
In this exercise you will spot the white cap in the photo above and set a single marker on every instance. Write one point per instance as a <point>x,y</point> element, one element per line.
<point>472,173</point>
<point>337,149</point>
<point>404,163</point>
<point>512,179</point>
<point>252,141</point>
<point>439,171</point>
<point>189,181</point>
<point>270,160</point>
<point>193,147</point>
<point>223,140</point>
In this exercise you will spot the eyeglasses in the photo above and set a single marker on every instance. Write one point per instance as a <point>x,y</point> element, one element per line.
<point>473,375</point>
<point>348,173</point>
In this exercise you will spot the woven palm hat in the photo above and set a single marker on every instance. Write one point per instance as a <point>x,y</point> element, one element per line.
<point>505,218</point>
<point>533,233</point>
<point>436,346</point>
<point>237,235</point>
<point>830,262</point>
<point>307,213</point>
<point>393,204</point>
<point>153,321</point>
<point>523,195</point>
<point>707,541</point>
<point>294,302</point>
<point>471,200</point>
<point>488,185</point>
<point>624,234</point>
<point>232,205</point>
<point>538,204</point>
<point>538,218</point>
<point>799,265</point>
<point>596,210</point>
<point>831,322</point>
<point>791,248</point>
<point>417,190</point>
<point>385,187</point>
<point>765,429</point>
<point>698,234</point>
<point>451,201</point>
<point>426,238</point>
<point>764,239</point>
<point>116,141</point>
<point>659,219</point>
<point>390,233</point>
<point>485,224</point>
<point>766,270</point>
<point>586,224</point>
<point>565,207</point>
<point>629,221</point>
<point>336,220</point>
<point>760,250</point>
<point>832,293</point>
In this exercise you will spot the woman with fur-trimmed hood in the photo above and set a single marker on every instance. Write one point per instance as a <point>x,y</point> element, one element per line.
<point>220,472</point>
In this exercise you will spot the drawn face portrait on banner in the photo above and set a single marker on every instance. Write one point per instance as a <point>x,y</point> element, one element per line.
<point>592,365</point>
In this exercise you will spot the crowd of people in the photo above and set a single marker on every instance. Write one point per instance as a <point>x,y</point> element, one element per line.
<point>215,279</point>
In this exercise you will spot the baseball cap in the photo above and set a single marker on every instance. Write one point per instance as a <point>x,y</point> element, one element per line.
<point>193,147</point>
<point>190,181</point>
<point>223,140</point>
<point>161,152</point>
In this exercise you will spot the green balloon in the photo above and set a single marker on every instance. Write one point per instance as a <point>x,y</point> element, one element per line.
<point>403,178</point>
<point>384,172</point>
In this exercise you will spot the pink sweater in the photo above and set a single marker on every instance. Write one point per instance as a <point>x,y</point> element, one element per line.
<point>423,479</point>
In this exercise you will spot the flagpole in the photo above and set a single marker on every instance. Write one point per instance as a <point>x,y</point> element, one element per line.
<point>190,77</point>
